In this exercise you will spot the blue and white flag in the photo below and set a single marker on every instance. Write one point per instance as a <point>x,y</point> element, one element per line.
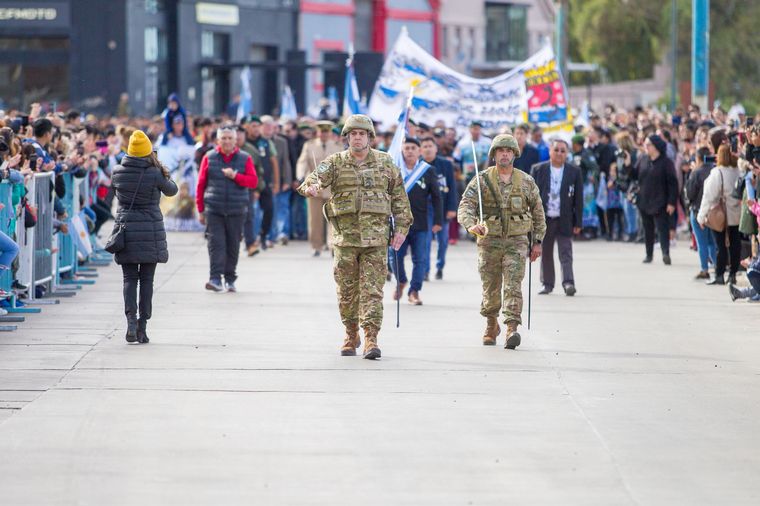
<point>351,97</point>
<point>332,100</point>
<point>246,99</point>
<point>410,176</point>
<point>288,109</point>
<point>78,231</point>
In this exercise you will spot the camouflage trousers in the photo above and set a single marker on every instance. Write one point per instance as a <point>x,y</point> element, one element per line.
<point>501,264</point>
<point>360,277</point>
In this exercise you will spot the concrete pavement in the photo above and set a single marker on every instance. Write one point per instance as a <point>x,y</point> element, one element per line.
<point>642,389</point>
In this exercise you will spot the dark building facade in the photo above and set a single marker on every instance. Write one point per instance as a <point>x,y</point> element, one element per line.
<point>86,53</point>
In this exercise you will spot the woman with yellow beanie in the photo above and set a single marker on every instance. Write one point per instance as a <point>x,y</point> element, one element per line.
<point>138,182</point>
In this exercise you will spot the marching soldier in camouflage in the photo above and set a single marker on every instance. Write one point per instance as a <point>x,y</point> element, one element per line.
<point>512,212</point>
<point>367,189</point>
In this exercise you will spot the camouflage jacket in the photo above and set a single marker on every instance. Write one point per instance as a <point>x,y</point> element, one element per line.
<point>364,195</point>
<point>509,210</point>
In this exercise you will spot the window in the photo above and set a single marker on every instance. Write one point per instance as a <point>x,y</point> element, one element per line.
<point>151,44</point>
<point>215,45</point>
<point>506,32</point>
<point>154,6</point>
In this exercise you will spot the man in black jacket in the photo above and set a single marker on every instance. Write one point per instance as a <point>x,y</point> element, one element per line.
<point>528,154</point>
<point>561,187</point>
<point>444,171</point>
<point>694,187</point>
<point>425,189</point>
<point>658,195</point>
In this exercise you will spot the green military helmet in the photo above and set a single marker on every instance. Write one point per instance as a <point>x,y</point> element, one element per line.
<point>359,122</point>
<point>504,141</point>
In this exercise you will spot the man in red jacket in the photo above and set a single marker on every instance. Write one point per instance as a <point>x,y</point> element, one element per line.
<point>225,177</point>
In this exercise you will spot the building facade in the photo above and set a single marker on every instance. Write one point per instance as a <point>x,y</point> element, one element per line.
<point>328,27</point>
<point>86,53</point>
<point>485,38</point>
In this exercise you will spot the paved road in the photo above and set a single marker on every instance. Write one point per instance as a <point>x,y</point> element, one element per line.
<point>643,389</point>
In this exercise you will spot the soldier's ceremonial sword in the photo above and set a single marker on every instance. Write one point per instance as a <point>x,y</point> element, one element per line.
<point>477,178</point>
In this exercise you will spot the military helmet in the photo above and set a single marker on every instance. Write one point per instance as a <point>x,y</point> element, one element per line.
<point>504,141</point>
<point>358,122</point>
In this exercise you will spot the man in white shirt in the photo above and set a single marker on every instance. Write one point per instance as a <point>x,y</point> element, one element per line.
<point>561,187</point>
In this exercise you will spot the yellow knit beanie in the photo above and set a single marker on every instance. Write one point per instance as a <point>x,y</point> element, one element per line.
<point>139,144</point>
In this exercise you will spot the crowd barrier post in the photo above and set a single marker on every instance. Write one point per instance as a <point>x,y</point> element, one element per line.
<point>6,276</point>
<point>37,261</point>
<point>7,215</point>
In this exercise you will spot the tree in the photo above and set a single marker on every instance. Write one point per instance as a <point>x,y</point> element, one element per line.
<point>628,37</point>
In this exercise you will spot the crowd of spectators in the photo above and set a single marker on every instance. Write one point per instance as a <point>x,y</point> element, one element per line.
<point>648,176</point>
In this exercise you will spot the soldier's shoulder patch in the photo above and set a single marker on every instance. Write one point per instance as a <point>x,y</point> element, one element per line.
<point>470,192</point>
<point>323,167</point>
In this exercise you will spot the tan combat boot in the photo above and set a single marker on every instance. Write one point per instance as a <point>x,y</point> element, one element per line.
<point>492,331</point>
<point>513,337</point>
<point>371,351</point>
<point>351,342</point>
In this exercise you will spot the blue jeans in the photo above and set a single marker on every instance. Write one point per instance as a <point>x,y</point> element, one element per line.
<point>442,238</point>
<point>249,226</point>
<point>705,242</point>
<point>8,250</point>
<point>417,240</point>
<point>299,220</point>
<point>631,217</point>
<point>281,226</point>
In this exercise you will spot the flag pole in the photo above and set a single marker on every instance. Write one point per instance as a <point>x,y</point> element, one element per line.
<point>477,178</point>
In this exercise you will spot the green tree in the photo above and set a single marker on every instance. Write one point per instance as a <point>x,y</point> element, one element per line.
<point>621,36</point>
<point>628,37</point>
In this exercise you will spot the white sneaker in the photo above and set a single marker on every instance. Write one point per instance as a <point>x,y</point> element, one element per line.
<point>3,311</point>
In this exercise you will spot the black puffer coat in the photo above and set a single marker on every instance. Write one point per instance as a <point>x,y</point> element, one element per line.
<point>145,239</point>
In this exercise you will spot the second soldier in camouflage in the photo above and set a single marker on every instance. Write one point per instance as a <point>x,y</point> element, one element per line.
<point>512,216</point>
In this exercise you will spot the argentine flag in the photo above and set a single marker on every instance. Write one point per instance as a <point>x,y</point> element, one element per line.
<point>288,108</point>
<point>351,97</point>
<point>410,177</point>
<point>246,98</point>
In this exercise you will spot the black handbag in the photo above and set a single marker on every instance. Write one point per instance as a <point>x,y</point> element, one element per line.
<point>116,240</point>
<point>738,192</point>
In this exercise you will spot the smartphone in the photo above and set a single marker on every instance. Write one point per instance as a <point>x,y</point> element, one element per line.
<point>102,146</point>
<point>750,122</point>
<point>33,162</point>
<point>24,120</point>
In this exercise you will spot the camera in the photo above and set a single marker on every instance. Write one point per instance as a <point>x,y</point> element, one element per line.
<point>733,139</point>
<point>709,159</point>
<point>620,159</point>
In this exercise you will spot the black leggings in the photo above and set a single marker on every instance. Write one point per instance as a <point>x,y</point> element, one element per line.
<point>615,215</point>
<point>141,274</point>
<point>662,220</point>
<point>728,255</point>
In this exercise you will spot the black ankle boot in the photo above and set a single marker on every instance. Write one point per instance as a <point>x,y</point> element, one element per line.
<point>131,329</point>
<point>142,336</point>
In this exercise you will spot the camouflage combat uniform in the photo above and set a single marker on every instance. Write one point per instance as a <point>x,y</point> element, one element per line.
<point>364,195</point>
<point>511,211</point>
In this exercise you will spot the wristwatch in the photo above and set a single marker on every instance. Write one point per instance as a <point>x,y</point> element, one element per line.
<point>536,241</point>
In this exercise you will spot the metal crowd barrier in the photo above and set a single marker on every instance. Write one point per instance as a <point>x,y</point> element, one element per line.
<point>51,263</point>
<point>66,260</point>
<point>6,276</point>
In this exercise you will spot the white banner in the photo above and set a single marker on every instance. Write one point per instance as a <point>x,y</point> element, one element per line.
<point>533,91</point>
